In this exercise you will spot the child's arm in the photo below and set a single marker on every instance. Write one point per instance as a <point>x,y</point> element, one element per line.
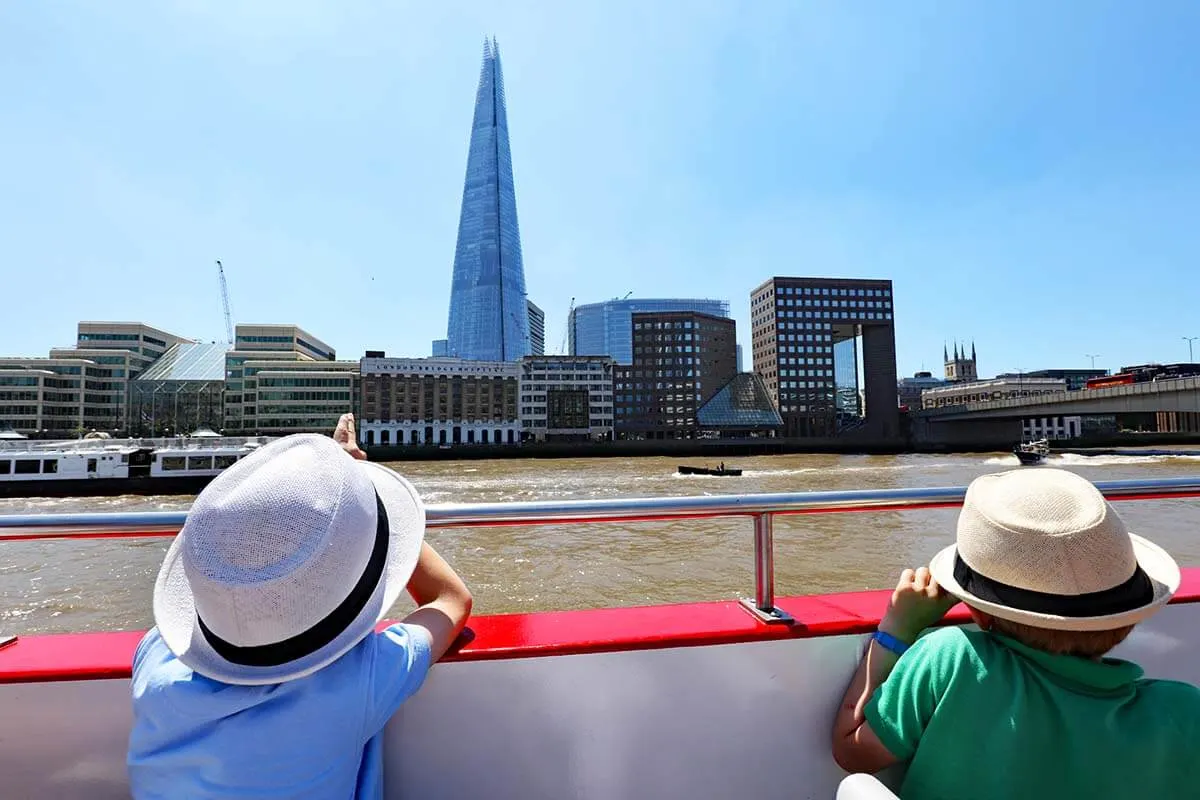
<point>444,600</point>
<point>917,603</point>
<point>856,748</point>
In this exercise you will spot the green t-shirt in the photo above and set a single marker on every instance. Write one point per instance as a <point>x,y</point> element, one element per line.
<point>978,715</point>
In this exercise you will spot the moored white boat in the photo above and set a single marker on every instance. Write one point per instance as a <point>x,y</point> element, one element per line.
<point>705,700</point>
<point>100,466</point>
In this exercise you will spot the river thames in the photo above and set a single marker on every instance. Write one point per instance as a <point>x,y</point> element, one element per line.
<point>64,585</point>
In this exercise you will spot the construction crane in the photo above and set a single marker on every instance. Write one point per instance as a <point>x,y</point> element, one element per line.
<point>567,328</point>
<point>225,302</point>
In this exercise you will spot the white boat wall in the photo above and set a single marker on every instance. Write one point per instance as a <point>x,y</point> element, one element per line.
<point>692,701</point>
<point>65,465</point>
<point>117,466</point>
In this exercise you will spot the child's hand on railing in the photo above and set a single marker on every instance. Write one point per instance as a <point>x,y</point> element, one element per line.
<point>917,603</point>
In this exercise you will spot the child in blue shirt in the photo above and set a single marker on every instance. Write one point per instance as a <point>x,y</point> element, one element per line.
<point>263,675</point>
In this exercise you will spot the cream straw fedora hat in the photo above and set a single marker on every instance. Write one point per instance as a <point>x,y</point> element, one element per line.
<point>287,560</point>
<point>1044,548</point>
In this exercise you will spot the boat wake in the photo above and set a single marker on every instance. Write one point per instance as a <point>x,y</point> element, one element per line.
<point>770,473</point>
<point>1078,460</point>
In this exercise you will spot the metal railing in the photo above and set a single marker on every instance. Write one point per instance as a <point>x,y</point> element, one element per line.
<point>761,508</point>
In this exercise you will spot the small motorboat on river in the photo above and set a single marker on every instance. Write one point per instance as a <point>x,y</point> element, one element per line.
<point>722,470</point>
<point>1031,453</point>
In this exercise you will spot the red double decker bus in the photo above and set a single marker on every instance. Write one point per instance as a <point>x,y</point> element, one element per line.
<point>1144,373</point>
<point>1111,380</point>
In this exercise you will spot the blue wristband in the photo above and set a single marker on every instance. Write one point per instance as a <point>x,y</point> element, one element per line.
<point>890,642</point>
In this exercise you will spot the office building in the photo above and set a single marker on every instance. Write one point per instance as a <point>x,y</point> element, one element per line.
<point>908,390</point>
<point>604,329</point>
<point>537,330</point>
<point>954,394</point>
<point>740,367</point>
<point>281,397</point>
<point>489,320</point>
<point>567,398</point>
<point>826,350</point>
<point>283,339</point>
<point>438,401</point>
<point>680,360</point>
<point>291,346</point>
<point>57,398</point>
<point>128,349</point>
<point>81,388</point>
<point>438,350</point>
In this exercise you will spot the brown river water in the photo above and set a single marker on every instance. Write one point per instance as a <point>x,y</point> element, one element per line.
<point>64,585</point>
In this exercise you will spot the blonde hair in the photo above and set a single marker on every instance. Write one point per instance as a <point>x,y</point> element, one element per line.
<point>1086,644</point>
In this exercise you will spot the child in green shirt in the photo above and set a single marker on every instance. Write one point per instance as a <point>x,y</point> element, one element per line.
<point>1028,706</point>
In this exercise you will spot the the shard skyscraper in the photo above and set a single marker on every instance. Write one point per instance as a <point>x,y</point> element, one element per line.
<point>489,319</point>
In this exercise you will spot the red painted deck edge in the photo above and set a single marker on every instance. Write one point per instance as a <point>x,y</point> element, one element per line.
<point>95,656</point>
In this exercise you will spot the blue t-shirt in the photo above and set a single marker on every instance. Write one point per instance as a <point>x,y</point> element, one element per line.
<point>315,737</point>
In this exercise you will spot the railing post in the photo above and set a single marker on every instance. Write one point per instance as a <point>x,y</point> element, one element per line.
<point>763,605</point>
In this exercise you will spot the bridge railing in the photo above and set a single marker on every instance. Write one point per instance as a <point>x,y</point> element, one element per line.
<point>761,509</point>
<point>1184,384</point>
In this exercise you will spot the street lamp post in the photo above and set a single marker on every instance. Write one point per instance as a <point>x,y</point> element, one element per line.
<point>1189,340</point>
<point>1093,357</point>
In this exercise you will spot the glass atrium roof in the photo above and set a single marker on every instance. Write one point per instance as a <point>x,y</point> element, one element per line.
<point>744,402</point>
<point>190,361</point>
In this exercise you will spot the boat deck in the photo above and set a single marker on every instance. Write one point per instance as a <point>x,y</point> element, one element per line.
<point>707,700</point>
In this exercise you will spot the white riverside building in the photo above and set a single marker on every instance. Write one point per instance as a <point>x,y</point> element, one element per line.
<point>1052,428</point>
<point>567,398</point>
<point>1006,388</point>
<point>955,394</point>
<point>438,401</point>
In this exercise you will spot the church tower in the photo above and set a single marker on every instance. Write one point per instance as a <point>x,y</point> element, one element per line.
<point>960,368</point>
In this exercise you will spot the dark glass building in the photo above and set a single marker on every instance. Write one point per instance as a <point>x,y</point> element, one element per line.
<point>826,350</point>
<point>605,329</point>
<point>680,360</point>
<point>489,319</point>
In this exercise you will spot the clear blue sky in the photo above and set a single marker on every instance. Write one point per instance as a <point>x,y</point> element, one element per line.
<point>1026,172</point>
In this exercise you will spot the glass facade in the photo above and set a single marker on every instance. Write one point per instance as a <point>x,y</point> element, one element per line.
<point>606,329</point>
<point>489,320</point>
<point>680,360</point>
<point>537,330</point>
<point>193,361</point>
<point>743,404</point>
<point>180,392</point>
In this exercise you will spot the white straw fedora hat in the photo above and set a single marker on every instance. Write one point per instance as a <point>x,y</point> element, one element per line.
<point>287,560</point>
<point>1044,548</point>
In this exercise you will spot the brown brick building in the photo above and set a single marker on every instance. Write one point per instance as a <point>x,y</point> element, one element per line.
<point>797,324</point>
<point>680,360</point>
<point>415,401</point>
